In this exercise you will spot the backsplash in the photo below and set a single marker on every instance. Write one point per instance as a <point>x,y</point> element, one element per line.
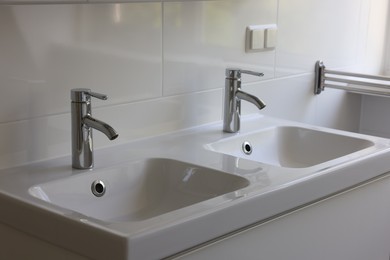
<point>163,66</point>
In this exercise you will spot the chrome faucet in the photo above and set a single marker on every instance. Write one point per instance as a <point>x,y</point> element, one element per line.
<point>82,124</point>
<point>233,97</point>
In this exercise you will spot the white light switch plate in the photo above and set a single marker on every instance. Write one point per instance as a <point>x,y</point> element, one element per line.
<point>260,38</point>
<point>257,39</point>
<point>270,38</point>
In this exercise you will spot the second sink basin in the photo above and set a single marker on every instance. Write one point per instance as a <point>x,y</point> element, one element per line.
<point>290,146</point>
<point>139,190</point>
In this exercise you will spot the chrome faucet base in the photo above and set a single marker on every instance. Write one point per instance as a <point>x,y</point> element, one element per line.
<point>233,97</point>
<point>82,124</point>
<point>82,147</point>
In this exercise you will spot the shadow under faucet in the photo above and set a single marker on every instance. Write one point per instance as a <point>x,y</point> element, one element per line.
<point>82,124</point>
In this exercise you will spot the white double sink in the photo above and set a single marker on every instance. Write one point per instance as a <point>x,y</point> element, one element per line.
<point>157,197</point>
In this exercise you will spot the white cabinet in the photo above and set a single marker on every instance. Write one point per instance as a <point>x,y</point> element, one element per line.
<point>354,225</point>
<point>17,245</point>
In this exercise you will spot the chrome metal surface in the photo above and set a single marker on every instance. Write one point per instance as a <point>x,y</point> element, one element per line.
<point>247,147</point>
<point>236,73</point>
<point>84,95</point>
<point>98,188</point>
<point>233,97</point>
<point>250,98</point>
<point>101,126</point>
<point>82,124</point>
<point>324,78</point>
<point>373,92</point>
<point>319,77</point>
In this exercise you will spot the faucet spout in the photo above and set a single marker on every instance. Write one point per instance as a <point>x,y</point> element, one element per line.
<point>100,126</point>
<point>250,98</point>
<point>233,97</point>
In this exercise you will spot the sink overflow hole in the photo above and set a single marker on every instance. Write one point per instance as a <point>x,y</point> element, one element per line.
<point>247,148</point>
<point>98,188</point>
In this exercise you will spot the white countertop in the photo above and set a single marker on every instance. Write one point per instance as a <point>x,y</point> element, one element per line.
<point>272,190</point>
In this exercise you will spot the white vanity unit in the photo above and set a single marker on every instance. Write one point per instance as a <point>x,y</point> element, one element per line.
<point>351,225</point>
<point>275,190</point>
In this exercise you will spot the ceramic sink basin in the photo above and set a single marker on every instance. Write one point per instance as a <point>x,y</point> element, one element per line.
<point>138,191</point>
<point>157,198</point>
<point>290,146</point>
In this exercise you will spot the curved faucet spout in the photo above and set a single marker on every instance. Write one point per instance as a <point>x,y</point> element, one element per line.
<point>250,98</point>
<point>101,126</point>
<point>233,97</point>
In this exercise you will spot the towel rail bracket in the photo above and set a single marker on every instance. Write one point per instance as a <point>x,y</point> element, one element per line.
<point>349,81</point>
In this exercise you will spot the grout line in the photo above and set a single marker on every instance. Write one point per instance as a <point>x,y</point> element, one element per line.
<point>277,36</point>
<point>134,102</point>
<point>157,98</point>
<point>162,49</point>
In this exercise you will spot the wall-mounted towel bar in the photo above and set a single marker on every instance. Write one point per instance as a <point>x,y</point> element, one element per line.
<point>352,82</point>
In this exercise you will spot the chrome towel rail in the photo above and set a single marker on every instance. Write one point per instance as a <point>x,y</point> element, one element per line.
<point>354,82</point>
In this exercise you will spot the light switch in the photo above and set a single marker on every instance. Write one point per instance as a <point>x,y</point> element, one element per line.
<point>270,37</point>
<point>260,38</point>
<point>256,39</point>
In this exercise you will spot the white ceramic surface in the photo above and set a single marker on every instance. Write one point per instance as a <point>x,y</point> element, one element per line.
<point>202,39</point>
<point>46,50</point>
<point>306,31</point>
<point>380,123</point>
<point>122,232</point>
<point>291,147</point>
<point>49,49</point>
<point>140,190</point>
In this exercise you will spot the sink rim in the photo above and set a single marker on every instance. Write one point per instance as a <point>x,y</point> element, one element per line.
<point>241,138</point>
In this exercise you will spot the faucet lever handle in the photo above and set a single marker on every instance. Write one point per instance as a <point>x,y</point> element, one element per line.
<point>84,95</point>
<point>254,73</point>
<point>236,73</point>
<point>98,95</point>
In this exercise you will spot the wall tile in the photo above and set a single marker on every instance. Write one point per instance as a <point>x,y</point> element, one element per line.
<point>50,136</point>
<point>375,118</point>
<point>34,139</point>
<point>338,109</point>
<point>311,30</point>
<point>290,98</point>
<point>163,66</point>
<point>47,50</point>
<point>376,37</point>
<point>293,98</point>
<point>202,39</point>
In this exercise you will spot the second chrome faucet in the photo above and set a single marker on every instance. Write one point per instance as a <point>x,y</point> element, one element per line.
<point>233,97</point>
<point>82,124</point>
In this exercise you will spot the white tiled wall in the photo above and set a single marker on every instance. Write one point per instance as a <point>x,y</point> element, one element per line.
<point>48,50</point>
<point>162,65</point>
<point>201,39</point>
<point>375,116</point>
<point>311,30</point>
